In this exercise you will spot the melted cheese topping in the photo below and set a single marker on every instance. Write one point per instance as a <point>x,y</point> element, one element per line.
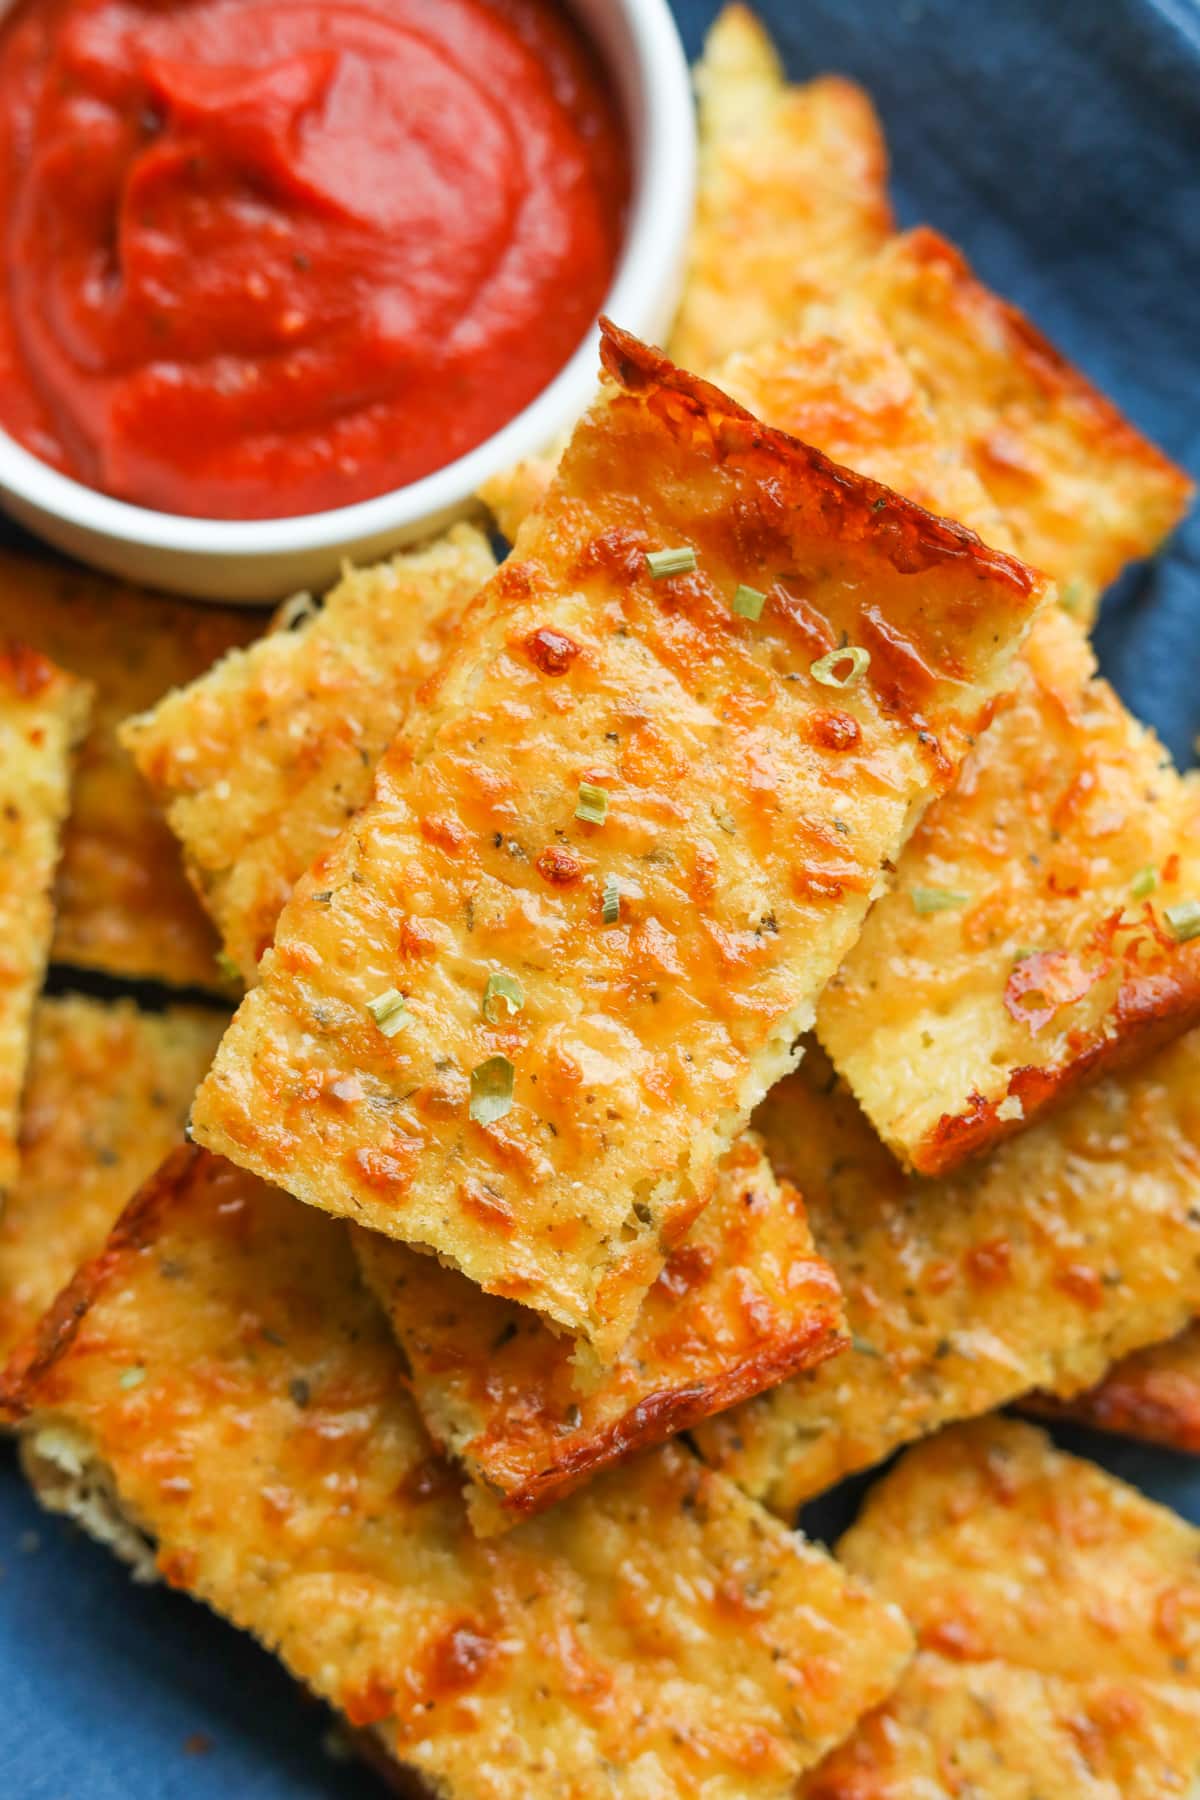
<point>792,195</point>
<point>123,903</point>
<point>654,1635</point>
<point>1073,1244</point>
<point>1153,1395</point>
<point>1056,1610</point>
<point>43,715</point>
<point>1083,492</point>
<point>741,1304</point>
<point>951,1033</point>
<point>261,762</point>
<point>957,1026</point>
<point>751,811</point>
<point>106,1097</point>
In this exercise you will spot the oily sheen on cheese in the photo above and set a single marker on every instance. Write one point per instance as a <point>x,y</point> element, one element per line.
<point>266,1457</point>
<point>1055,1609</point>
<point>750,810</point>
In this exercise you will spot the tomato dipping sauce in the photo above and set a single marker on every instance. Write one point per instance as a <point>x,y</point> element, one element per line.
<point>267,257</point>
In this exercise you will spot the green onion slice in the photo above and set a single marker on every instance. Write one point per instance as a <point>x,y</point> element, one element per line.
<point>842,668</point>
<point>748,602</point>
<point>592,805</point>
<point>1144,882</point>
<point>491,1089</point>
<point>502,990</point>
<point>132,1377</point>
<point>1183,921</point>
<point>935,900</point>
<point>662,563</point>
<point>611,902</point>
<point>389,1011</point>
<point>227,968</point>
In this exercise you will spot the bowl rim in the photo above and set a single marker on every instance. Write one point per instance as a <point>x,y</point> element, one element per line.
<point>655,90</point>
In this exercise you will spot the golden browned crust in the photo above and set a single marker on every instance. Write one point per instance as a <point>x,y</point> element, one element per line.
<point>1082,490</point>
<point>792,193</point>
<point>1063,852</point>
<point>742,1303</point>
<point>260,762</point>
<point>221,1369</point>
<point>43,714</point>
<point>1071,1246</point>
<point>752,812</point>
<point>1055,1608</point>
<point>107,1095</point>
<point>123,902</point>
<point>1153,1395</point>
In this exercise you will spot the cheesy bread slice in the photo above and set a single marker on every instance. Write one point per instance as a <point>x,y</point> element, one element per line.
<point>106,1098</point>
<point>743,1303</point>
<point>43,715</point>
<point>1055,1609</point>
<point>1069,1247</point>
<point>260,762</point>
<point>1153,1395</point>
<point>792,197</point>
<point>219,1398</point>
<point>1084,493</point>
<point>1044,925</point>
<point>653,790</point>
<point>123,903</point>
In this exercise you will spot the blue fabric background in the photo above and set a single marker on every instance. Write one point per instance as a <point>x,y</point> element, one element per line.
<point>1058,145</point>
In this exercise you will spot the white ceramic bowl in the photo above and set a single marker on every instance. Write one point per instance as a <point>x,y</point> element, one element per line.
<point>263,559</point>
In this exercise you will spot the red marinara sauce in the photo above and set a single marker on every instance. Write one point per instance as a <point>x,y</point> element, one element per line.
<point>266,257</point>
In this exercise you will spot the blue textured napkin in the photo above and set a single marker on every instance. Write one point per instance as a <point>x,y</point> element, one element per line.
<point>1057,145</point>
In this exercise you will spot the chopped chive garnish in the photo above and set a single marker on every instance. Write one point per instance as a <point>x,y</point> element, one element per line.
<point>1025,951</point>
<point>1144,882</point>
<point>935,900</point>
<point>671,562</point>
<point>1071,595</point>
<point>748,602</point>
<point>132,1377</point>
<point>1183,920</point>
<point>502,990</point>
<point>592,805</point>
<point>491,1090</point>
<point>389,1012</point>
<point>226,967</point>
<point>612,902</point>
<point>842,668</point>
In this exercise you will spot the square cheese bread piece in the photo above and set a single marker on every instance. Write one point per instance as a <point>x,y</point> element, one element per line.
<point>741,1304</point>
<point>43,715</point>
<point>1057,1614</point>
<point>1044,925</point>
<point>650,813</point>
<point>220,1398</point>
<point>1082,490</point>
<point>124,904</point>
<point>792,196</point>
<point>1069,1247</point>
<point>1153,1395</point>
<point>106,1098</point>
<point>259,764</point>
